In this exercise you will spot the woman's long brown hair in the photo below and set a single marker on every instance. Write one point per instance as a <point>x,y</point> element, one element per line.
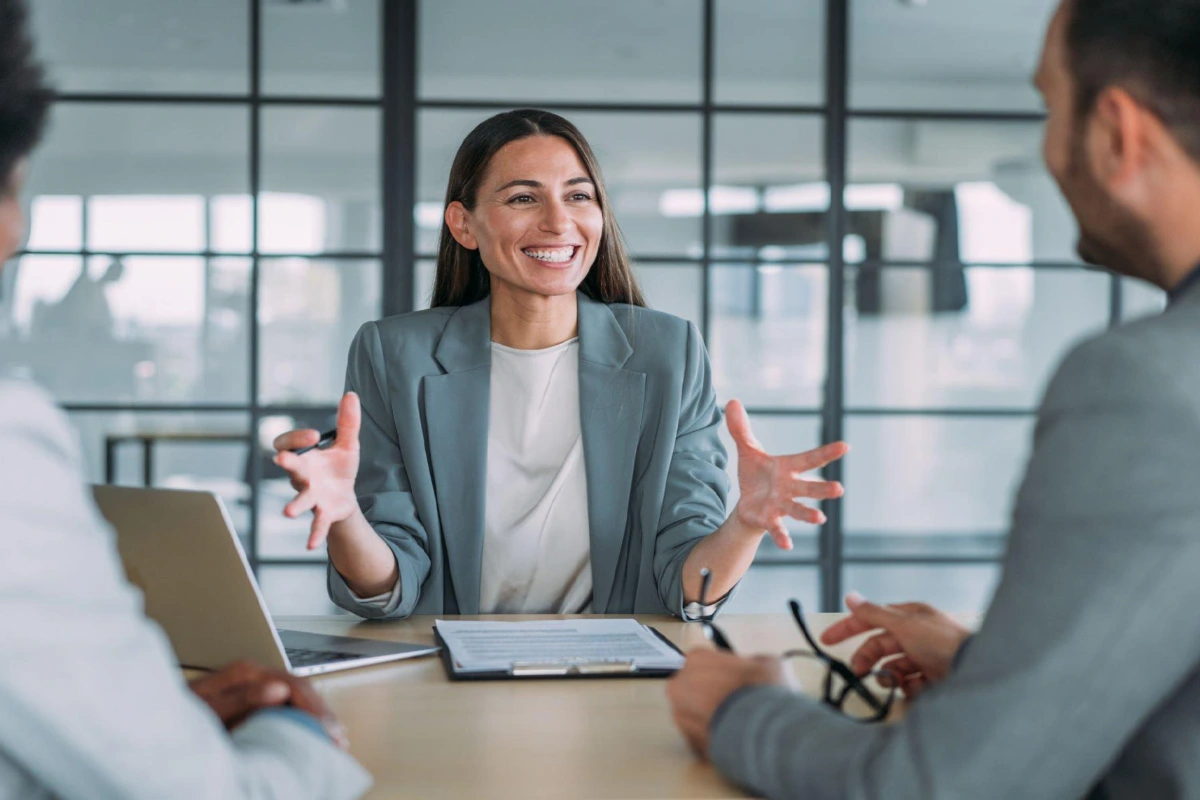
<point>461,277</point>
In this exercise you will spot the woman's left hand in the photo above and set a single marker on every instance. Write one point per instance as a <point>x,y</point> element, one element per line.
<point>770,484</point>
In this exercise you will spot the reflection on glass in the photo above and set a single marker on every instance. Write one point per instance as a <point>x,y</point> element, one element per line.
<point>636,51</point>
<point>133,46</point>
<point>147,168</point>
<point>779,435</point>
<point>320,180</point>
<point>767,333</point>
<point>674,288</point>
<point>932,486</point>
<point>321,49</point>
<point>182,457</point>
<point>1140,299</point>
<point>647,160</point>
<point>974,337</point>
<point>770,52</point>
<point>963,589</point>
<point>131,329</point>
<point>770,198</point>
<point>969,54</point>
<point>309,311</point>
<point>767,589</point>
<point>296,590</point>
<point>955,192</point>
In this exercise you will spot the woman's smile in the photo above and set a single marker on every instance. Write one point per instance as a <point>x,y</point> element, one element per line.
<point>553,257</point>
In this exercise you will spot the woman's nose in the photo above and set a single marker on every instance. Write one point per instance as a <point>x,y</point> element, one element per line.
<point>555,218</point>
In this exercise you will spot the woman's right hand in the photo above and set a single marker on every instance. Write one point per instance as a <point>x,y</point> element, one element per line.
<point>323,478</point>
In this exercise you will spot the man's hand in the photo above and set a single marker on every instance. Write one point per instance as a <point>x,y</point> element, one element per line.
<point>240,689</point>
<point>708,677</point>
<point>918,641</point>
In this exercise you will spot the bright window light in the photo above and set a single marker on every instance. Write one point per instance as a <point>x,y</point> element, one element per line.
<point>166,223</point>
<point>230,222</point>
<point>874,197</point>
<point>992,227</point>
<point>800,197</point>
<point>291,223</point>
<point>429,215</point>
<point>723,200</point>
<point>56,223</point>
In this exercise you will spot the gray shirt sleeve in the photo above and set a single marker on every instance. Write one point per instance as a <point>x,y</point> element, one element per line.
<point>1092,629</point>
<point>383,490</point>
<point>91,701</point>
<point>697,485</point>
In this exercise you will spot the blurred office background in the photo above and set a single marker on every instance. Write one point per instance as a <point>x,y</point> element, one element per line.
<point>846,196</point>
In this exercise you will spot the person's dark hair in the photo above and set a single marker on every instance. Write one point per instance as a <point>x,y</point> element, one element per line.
<point>461,277</point>
<point>24,95</point>
<point>1151,48</point>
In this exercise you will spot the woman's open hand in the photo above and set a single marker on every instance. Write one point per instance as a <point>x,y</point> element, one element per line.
<point>770,484</point>
<point>323,478</point>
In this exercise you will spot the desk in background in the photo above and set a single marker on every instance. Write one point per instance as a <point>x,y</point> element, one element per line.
<point>422,736</point>
<point>149,439</point>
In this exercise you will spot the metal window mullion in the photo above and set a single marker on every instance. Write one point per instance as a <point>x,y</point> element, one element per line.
<point>255,472</point>
<point>400,60</point>
<point>833,423</point>
<point>706,169</point>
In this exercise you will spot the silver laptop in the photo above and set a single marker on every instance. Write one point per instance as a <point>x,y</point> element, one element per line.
<point>180,549</point>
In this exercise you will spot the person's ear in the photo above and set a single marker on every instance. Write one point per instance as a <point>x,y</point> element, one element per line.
<point>1117,139</point>
<point>458,219</point>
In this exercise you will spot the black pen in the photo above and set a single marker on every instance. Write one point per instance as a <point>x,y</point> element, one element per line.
<point>327,438</point>
<point>711,631</point>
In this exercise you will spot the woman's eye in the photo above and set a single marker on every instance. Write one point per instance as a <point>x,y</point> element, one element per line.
<point>522,199</point>
<point>581,196</point>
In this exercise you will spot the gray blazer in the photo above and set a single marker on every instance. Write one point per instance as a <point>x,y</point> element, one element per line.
<point>92,703</point>
<point>656,481</point>
<point>1084,679</point>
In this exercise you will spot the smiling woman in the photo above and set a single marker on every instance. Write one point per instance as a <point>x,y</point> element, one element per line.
<point>538,441</point>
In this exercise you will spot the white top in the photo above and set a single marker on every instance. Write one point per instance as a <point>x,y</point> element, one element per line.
<point>536,548</point>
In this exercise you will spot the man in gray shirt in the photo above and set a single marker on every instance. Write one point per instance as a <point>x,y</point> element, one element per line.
<point>1084,679</point>
<point>92,705</point>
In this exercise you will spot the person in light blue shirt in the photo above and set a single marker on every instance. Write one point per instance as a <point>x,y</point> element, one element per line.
<point>92,703</point>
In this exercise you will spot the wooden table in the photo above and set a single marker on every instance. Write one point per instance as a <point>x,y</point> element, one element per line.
<point>423,736</point>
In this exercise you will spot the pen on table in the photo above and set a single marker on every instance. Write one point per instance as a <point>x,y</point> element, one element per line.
<point>327,438</point>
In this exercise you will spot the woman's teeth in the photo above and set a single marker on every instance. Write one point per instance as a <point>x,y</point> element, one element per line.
<point>559,255</point>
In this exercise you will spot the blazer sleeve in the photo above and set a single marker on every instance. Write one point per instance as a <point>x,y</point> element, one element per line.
<point>1093,627</point>
<point>384,493</point>
<point>92,703</point>
<point>697,484</point>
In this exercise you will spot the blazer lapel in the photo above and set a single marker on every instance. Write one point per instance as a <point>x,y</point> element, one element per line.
<point>611,401</point>
<point>456,412</point>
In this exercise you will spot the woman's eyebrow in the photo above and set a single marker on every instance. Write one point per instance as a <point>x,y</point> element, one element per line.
<point>537,185</point>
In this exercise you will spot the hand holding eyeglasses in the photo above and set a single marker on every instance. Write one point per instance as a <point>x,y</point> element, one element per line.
<point>916,644</point>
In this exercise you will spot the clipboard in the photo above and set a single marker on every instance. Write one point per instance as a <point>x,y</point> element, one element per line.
<point>573,670</point>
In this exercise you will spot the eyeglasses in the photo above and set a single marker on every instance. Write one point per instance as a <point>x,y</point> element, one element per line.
<point>840,681</point>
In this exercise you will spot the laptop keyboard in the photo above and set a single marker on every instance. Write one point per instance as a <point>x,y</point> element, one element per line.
<point>299,657</point>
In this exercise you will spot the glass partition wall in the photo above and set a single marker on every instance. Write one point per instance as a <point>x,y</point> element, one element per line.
<point>846,196</point>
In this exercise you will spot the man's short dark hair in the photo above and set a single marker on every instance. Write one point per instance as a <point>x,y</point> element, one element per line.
<point>1151,48</point>
<point>24,95</point>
